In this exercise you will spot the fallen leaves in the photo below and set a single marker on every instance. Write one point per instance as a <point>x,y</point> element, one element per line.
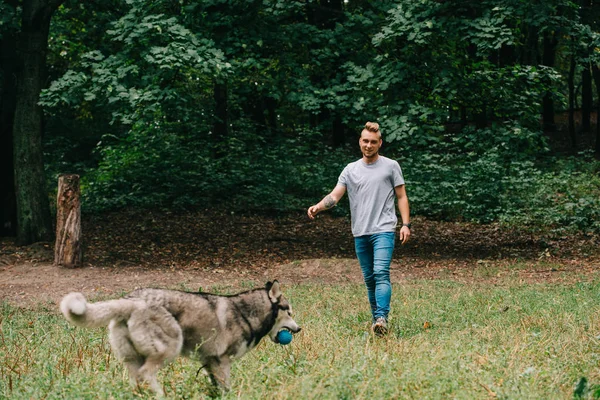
<point>209,240</point>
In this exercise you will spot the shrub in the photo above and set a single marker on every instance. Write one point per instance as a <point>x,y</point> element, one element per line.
<point>155,166</point>
<point>466,176</point>
<point>565,197</point>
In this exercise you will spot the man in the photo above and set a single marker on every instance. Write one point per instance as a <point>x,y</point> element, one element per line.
<point>372,183</point>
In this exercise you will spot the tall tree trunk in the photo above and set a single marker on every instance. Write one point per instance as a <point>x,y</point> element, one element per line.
<point>258,113</point>
<point>220,125</point>
<point>571,83</point>
<point>33,210</point>
<point>586,98</point>
<point>325,15</point>
<point>596,74</point>
<point>548,59</point>
<point>271,105</point>
<point>481,119</point>
<point>8,98</point>
<point>339,132</point>
<point>586,13</point>
<point>530,50</point>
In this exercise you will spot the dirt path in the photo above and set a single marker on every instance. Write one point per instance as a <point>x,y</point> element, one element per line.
<point>229,252</point>
<point>30,284</point>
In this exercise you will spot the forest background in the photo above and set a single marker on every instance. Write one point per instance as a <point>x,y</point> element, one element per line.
<point>490,107</point>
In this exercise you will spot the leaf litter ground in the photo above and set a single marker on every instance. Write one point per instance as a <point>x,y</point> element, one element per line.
<point>212,250</point>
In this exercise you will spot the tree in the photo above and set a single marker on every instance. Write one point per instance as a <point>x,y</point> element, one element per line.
<point>571,83</point>
<point>596,75</point>
<point>592,17</point>
<point>33,211</point>
<point>8,92</point>
<point>586,75</point>
<point>325,15</point>
<point>550,42</point>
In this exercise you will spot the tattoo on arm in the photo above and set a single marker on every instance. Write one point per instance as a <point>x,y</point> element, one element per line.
<point>328,202</point>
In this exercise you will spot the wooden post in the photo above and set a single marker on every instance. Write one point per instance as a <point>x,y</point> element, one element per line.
<point>67,250</point>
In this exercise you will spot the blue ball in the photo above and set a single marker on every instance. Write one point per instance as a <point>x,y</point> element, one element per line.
<point>284,336</point>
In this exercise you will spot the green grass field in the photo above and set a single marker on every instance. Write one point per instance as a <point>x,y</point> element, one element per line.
<point>512,340</point>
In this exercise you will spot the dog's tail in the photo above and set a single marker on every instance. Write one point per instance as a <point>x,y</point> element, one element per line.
<point>79,312</point>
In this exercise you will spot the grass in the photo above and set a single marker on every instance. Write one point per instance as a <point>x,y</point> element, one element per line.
<point>448,340</point>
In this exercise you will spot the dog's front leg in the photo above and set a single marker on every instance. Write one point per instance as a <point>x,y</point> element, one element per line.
<point>219,370</point>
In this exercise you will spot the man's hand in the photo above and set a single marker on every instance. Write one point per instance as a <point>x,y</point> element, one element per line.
<point>313,211</point>
<point>404,234</point>
<point>328,201</point>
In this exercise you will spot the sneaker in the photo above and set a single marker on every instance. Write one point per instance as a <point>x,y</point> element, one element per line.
<point>380,327</point>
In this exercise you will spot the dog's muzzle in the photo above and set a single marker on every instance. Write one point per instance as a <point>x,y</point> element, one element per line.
<point>296,330</point>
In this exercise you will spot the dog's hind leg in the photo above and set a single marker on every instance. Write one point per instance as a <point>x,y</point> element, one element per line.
<point>157,336</point>
<point>122,346</point>
<point>149,370</point>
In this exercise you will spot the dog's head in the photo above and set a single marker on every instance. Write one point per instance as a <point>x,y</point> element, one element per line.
<point>283,310</point>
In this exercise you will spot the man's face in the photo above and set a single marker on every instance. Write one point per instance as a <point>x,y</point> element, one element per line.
<point>370,143</point>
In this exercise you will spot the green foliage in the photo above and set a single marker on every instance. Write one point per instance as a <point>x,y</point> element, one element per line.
<point>157,165</point>
<point>153,165</point>
<point>493,184</point>
<point>496,174</point>
<point>444,56</point>
<point>565,197</point>
<point>456,86</point>
<point>9,17</point>
<point>158,67</point>
<point>493,177</point>
<point>468,175</point>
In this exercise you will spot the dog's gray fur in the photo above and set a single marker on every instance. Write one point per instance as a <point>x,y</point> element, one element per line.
<point>149,327</point>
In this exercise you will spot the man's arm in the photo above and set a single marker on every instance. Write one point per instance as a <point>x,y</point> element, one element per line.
<point>404,209</point>
<point>328,201</point>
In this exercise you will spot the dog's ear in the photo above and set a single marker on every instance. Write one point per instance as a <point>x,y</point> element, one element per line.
<point>274,291</point>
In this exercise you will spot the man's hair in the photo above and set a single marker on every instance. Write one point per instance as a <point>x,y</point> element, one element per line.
<point>372,127</point>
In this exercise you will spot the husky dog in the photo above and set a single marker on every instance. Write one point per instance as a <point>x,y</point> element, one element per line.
<point>150,327</point>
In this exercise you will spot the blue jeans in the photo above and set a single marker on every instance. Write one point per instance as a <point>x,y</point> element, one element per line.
<point>374,254</point>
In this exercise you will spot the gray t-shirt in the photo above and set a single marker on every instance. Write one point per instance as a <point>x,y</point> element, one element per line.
<point>371,193</point>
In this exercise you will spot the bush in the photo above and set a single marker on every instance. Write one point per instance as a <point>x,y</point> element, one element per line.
<point>466,176</point>
<point>156,167</point>
<point>566,197</point>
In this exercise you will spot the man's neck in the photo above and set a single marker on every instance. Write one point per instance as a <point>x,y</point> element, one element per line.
<point>371,160</point>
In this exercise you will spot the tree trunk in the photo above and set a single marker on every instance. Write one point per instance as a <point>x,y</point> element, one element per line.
<point>571,81</point>
<point>548,59</point>
<point>481,120</point>
<point>586,98</point>
<point>67,250</point>
<point>325,15</point>
<point>587,18</point>
<point>33,211</point>
<point>257,111</point>
<point>221,120</point>
<point>271,105</point>
<point>596,74</point>
<point>530,50</point>
<point>8,96</point>
<point>339,132</point>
